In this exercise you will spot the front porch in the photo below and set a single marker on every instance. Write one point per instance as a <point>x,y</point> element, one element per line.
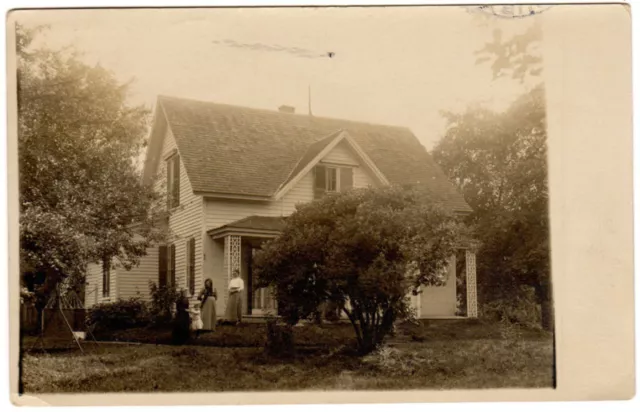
<point>239,241</point>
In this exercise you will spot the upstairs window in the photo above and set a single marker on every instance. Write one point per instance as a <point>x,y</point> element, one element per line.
<point>332,179</point>
<point>173,181</point>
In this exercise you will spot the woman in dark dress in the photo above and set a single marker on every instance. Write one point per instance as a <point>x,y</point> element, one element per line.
<point>208,297</point>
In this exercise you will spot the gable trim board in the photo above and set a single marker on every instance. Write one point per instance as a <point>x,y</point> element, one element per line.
<point>159,124</point>
<point>213,195</point>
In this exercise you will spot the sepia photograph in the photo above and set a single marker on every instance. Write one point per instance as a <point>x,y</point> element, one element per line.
<point>283,199</point>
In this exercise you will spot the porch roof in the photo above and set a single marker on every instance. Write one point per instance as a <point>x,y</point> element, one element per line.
<point>259,226</point>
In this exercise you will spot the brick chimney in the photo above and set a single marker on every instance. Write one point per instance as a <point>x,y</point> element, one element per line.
<point>286,109</point>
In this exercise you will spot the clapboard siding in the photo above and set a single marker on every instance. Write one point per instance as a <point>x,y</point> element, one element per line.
<point>135,282</point>
<point>341,154</point>
<point>93,288</point>
<point>362,178</point>
<point>220,212</point>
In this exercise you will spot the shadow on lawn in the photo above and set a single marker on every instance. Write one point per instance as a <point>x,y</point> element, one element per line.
<point>313,337</point>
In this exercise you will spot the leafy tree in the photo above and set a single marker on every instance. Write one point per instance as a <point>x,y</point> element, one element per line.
<point>518,57</point>
<point>367,247</point>
<point>498,161</point>
<point>81,196</point>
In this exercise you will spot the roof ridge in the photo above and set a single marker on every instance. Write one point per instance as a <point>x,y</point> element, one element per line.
<point>270,111</point>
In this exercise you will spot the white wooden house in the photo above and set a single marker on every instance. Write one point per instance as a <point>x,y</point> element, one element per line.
<point>231,175</point>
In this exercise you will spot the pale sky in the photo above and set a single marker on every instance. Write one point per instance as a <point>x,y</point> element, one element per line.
<point>398,66</point>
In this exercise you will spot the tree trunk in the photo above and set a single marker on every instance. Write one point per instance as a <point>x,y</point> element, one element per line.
<point>374,331</point>
<point>368,343</point>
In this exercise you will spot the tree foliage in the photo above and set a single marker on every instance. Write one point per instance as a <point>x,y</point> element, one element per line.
<point>518,56</point>
<point>367,247</point>
<point>81,196</point>
<point>499,162</point>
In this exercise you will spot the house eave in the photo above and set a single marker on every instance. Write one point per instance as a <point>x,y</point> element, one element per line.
<point>222,232</point>
<point>231,196</point>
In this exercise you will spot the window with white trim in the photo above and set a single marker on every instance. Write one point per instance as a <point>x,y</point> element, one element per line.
<point>332,179</point>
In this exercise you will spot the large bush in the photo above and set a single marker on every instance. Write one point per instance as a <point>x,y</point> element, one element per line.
<point>521,309</point>
<point>118,315</point>
<point>367,247</point>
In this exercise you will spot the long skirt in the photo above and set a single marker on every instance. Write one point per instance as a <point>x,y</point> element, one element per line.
<point>233,312</point>
<point>208,314</point>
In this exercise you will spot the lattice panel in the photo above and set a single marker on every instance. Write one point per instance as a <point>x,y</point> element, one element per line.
<point>232,258</point>
<point>472,297</point>
<point>235,253</point>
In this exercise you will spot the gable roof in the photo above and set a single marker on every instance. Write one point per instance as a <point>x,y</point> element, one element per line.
<point>312,152</point>
<point>252,152</point>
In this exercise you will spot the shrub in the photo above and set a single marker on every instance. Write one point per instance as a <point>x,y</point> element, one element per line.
<point>122,314</point>
<point>27,297</point>
<point>521,309</point>
<point>163,302</point>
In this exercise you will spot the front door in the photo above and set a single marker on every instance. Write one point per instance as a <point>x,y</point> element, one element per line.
<point>261,299</point>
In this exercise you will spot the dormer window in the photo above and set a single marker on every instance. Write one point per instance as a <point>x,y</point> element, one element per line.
<point>332,179</point>
<point>173,181</point>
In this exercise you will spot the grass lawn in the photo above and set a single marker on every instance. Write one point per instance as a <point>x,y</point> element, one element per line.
<point>435,355</point>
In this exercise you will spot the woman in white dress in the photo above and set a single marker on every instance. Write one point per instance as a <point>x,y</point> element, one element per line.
<point>233,314</point>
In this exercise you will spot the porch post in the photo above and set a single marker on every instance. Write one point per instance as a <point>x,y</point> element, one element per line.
<point>472,298</point>
<point>232,259</point>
